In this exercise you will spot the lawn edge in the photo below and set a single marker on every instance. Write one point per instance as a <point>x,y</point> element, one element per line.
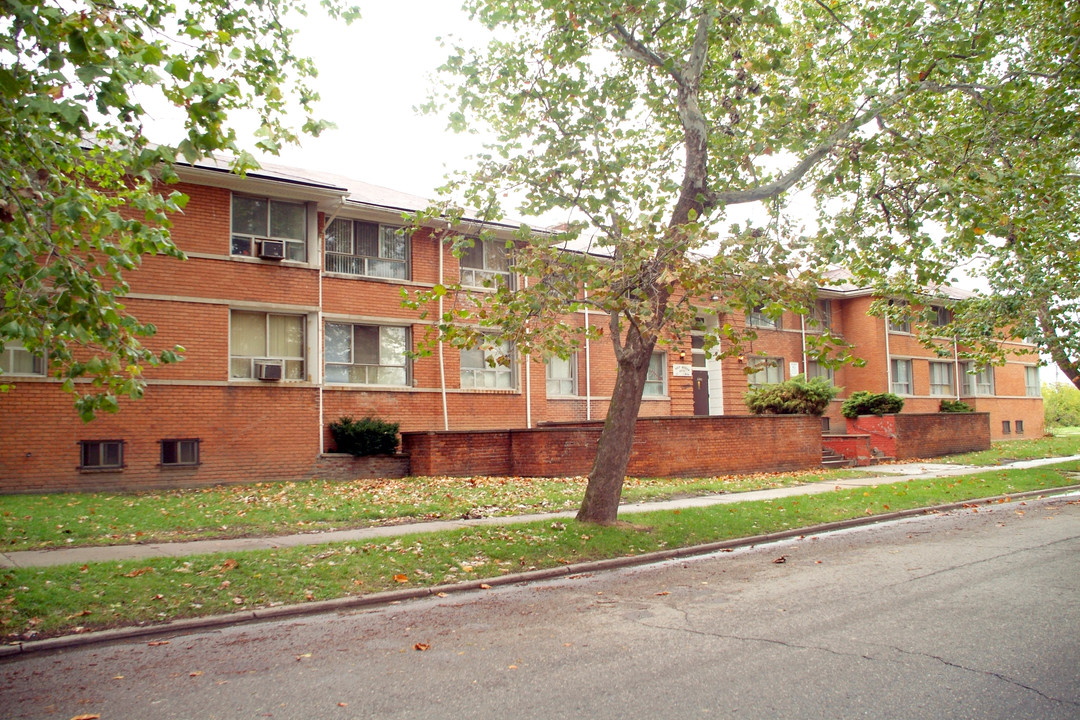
<point>352,602</point>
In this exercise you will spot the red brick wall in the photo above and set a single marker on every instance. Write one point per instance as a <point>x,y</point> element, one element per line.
<point>246,434</point>
<point>908,436</point>
<point>347,467</point>
<point>720,445</point>
<point>852,447</point>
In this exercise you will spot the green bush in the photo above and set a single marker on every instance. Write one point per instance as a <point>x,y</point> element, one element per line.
<point>1061,404</point>
<point>955,406</point>
<point>369,436</point>
<point>797,396</point>
<point>863,402</point>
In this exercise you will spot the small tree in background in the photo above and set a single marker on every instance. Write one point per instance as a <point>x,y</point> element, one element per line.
<point>1061,404</point>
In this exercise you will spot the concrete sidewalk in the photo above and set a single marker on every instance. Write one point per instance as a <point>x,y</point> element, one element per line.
<point>900,472</point>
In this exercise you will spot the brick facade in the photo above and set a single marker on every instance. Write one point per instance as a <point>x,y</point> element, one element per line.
<point>249,429</point>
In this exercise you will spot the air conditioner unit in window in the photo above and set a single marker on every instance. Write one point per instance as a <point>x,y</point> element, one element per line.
<point>272,249</point>
<point>269,369</point>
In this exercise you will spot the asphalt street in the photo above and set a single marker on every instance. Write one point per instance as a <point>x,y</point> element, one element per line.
<point>967,614</point>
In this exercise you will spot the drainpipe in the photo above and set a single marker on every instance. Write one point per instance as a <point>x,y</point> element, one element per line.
<point>528,370</point>
<point>802,329</point>
<point>888,356</point>
<point>588,364</point>
<point>442,360</point>
<point>956,367</point>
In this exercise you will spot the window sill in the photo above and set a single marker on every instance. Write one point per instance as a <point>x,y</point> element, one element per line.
<point>97,470</point>
<point>491,391</point>
<point>366,386</point>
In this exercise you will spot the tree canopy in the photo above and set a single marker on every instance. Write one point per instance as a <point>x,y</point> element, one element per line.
<point>84,189</point>
<point>913,123</point>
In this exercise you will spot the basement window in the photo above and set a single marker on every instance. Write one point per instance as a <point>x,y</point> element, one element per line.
<point>101,454</point>
<point>180,453</point>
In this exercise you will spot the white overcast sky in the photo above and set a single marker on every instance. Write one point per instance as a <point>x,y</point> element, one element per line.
<point>372,74</point>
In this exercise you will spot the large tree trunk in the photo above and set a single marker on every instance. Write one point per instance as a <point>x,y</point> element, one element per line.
<point>601,503</point>
<point>1060,357</point>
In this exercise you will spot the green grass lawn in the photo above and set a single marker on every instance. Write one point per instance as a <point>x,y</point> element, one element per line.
<point>77,519</point>
<point>1005,451</point>
<point>48,601</point>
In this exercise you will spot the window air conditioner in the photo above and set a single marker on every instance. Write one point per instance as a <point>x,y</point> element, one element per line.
<point>272,249</point>
<point>269,369</point>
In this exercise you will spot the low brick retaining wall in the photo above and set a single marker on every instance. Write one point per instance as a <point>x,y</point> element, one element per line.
<point>919,435</point>
<point>663,446</point>
<point>342,466</point>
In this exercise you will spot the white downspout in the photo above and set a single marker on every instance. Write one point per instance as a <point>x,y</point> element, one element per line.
<point>528,370</point>
<point>588,364</point>
<point>956,367</point>
<point>442,360</point>
<point>888,356</point>
<point>802,329</point>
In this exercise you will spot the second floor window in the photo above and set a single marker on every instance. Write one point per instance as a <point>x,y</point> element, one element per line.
<point>814,369</point>
<point>485,265</point>
<point>759,318</point>
<point>366,354</point>
<point>369,249</point>
<point>822,313</point>
<point>258,219</point>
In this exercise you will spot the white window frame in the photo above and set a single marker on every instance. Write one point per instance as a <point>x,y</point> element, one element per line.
<point>562,385</point>
<point>770,371</point>
<point>295,247</point>
<point>13,350</point>
<point>980,382</point>
<point>1032,389</point>
<point>902,324</point>
<point>352,367</point>
<point>656,385</point>
<point>902,385</point>
<point>757,318</point>
<point>353,262</point>
<point>823,313</point>
<point>815,369</point>
<point>939,387</point>
<point>942,315</point>
<point>292,364</point>
<point>476,277</point>
<point>490,373</point>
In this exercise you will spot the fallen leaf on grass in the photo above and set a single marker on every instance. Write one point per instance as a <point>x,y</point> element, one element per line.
<point>140,571</point>
<point>401,578</point>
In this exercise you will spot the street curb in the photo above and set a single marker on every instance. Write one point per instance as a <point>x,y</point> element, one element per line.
<point>191,625</point>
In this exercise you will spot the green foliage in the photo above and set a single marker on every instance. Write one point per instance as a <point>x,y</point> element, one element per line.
<point>955,406</point>
<point>1061,404</point>
<point>83,191</point>
<point>367,436</point>
<point>797,396</point>
<point>863,402</point>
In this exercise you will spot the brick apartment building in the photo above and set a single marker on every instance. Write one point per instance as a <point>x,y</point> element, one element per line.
<point>289,309</point>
